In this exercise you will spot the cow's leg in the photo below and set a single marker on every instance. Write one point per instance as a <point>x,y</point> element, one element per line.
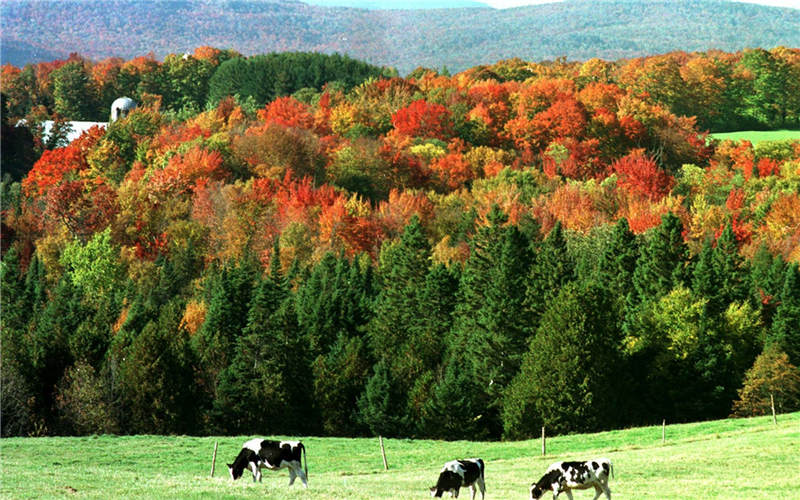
<point>292,475</point>
<point>301,475</point>
<point>482,486</point>
<point>569,494</point>
<point>606,490</point>
<point>256,470</point>
<point>597,491</point>
<point>454,493</point>
<point>473,490</point>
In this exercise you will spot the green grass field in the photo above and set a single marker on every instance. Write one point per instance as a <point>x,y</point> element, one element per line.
<point>756,136</point>
<point>743,458</point>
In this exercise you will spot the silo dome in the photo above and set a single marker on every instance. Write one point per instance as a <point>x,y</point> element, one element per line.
<point>121,107</point>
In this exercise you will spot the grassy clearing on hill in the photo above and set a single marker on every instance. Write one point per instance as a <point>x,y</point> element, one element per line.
<point>756,136</point>
<point>743,458</point>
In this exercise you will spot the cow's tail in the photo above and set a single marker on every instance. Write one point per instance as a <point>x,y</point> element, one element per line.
<point>611,466</point>
<point>483,467</point>
<point>305,460</point>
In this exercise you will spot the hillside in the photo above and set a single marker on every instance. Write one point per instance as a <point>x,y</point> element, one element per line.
<point>456,38</point>
<point>710,460</point>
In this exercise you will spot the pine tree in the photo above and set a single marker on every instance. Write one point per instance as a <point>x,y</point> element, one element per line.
<point>785,330</point>
<point>617,265</point>
<point>452,411</point>
<point>215,342</point>
<point>15,369</point>
<point>766,276</point>
<point>705,280</point>
<point>491,321</point>
<point>156,377</point>
<point>48,345</point>
<point>730,268</point>
<point>552,268</point>
<point>567,379</point>
<point>381,405</point>
<point>662,260</point>
<point>339,380</point>
<point>399,311</point>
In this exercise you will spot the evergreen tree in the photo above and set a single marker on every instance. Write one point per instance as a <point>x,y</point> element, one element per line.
<point>766,278</point>
<point>618,264</point>
<point>491,321</point>
<point>16,369</point>
<point>452,411</point>
<point>785,330</point>
<point>339,379</point>
<point>156,377</point>
<point>567,379</point>
<point>662,260</point>
<point>552,268</point>
<point>429,344</point>
<point>225,320</point>
<point>730,268</point>
<point>382,403</point>
<point>705,281</point>
<point>400,314</point>
<point>48,346</point>
<point>398,308</point>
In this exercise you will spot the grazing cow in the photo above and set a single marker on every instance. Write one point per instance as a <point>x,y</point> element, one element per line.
<point>460,473</point>
<point>260,453</point>
<point>568,476</point>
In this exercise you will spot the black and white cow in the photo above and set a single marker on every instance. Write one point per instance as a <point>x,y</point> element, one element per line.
<point>568,476</point>
<point>261,453</point>
<point>458,473</point>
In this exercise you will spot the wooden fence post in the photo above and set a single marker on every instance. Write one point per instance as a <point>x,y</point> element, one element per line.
<point>383,454</point>
<point>544,443</point>
<point>772,404</point>
<point>214,458</point>
<point>663,431</point>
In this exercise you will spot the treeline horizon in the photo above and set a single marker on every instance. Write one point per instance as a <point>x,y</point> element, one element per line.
<point>467,256</point>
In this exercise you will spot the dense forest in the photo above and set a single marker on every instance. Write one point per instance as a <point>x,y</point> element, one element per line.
<point>466,256</point>
<point>43,30</point>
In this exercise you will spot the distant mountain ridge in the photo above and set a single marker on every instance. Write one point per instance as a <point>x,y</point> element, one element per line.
<point>457,38</point>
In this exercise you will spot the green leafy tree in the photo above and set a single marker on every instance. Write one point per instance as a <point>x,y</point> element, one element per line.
<point>771,375</point>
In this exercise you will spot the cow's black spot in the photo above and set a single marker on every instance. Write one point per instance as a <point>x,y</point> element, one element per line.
<point>594,465</point>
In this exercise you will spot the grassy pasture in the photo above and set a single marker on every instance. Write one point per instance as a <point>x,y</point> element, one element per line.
<point>756,136</point>
<point>744,458</point>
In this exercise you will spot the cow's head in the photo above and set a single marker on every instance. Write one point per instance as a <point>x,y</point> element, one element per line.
<point>536,491</point>
<point>436,492</point>
<point>235,472</point>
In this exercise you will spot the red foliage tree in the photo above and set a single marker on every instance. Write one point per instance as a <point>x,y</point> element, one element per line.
<point>55,164</point>
<point>423,119</point>
<point>289,112</point>
<point>640,175</point>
